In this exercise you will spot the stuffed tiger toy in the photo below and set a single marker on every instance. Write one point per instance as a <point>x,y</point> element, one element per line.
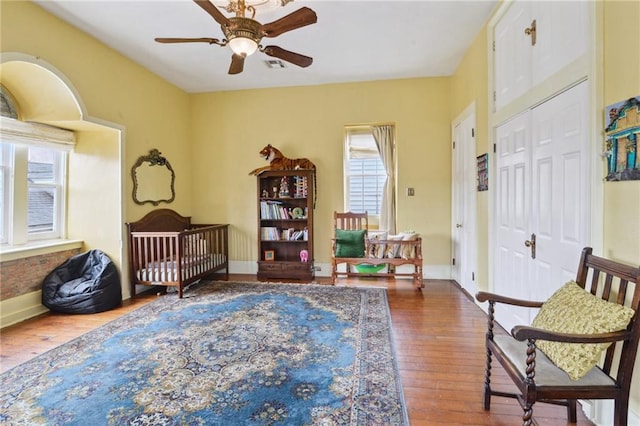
<point>277,161</point>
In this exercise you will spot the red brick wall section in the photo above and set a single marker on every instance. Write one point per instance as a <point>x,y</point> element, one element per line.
<point>22,276</point>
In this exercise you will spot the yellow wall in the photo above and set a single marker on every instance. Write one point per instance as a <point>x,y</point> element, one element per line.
<point>140,111</point>
<point>621,81</point>
<point>152,112</point>
<point>468,85</point>
<point>622,199</point>
<point>230,128</point>
<point>212,149</point>
<point>212,140</point>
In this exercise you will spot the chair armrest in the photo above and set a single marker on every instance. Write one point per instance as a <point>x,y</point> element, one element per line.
<point>524,332</point>
<point>483,296</point>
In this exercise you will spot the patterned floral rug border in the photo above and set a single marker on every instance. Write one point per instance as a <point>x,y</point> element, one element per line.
<point>227,354</point>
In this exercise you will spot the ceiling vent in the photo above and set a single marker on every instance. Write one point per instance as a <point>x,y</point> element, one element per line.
<point>275,63</point>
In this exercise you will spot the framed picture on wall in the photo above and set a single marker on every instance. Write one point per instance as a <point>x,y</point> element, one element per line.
<point>483,172</point>
<point>622,133</point>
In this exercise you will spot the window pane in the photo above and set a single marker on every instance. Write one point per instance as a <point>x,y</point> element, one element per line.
<point>5,190</point>
<point>41,178</point>
<point>41,165</point>
<point>366,182</point>
<point>41,204</point>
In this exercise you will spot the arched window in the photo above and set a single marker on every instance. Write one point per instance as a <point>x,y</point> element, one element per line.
<point>32,177</point>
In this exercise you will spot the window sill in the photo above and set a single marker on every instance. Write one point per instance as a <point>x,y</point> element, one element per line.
<point>37,248</point>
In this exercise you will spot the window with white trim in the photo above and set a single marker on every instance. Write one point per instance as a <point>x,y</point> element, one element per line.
<point>33,181</point>
<point>365,175</point>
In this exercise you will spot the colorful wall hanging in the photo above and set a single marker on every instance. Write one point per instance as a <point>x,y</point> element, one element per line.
<point>622,133</point>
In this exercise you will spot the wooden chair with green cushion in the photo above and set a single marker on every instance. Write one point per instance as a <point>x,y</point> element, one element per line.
<point>350,234</point>
<point>581,345</point>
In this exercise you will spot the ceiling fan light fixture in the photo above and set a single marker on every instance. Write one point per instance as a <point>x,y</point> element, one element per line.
<point>243,35</point>
<point>243,46</point>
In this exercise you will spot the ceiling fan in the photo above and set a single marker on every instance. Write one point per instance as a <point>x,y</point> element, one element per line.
<point>243,35</point>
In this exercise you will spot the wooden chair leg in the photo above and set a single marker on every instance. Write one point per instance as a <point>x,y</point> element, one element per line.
<point>621,411</point>
<point>487,383</point>
<point>527,417</point>
<point>571,411</point>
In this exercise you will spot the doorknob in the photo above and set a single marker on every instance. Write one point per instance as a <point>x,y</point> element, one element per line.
<point>531,31</point>
<point>458,225</point>
<point>532,245</point>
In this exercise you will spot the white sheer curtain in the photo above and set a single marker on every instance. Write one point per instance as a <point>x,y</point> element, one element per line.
<point>385,141</point>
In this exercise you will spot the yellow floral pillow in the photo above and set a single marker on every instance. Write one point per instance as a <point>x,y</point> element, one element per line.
<point>572,309</point>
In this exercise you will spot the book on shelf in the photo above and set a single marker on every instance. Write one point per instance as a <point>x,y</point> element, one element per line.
<point>272,233</point>
<point>269,233</point>
<point>274,210</point>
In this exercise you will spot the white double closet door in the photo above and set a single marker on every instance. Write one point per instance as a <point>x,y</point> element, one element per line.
<point>542,177</point>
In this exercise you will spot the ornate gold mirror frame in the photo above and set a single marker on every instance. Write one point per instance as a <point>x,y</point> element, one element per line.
<point>153,179</point>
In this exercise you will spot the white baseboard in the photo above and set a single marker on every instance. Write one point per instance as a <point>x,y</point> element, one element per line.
<point>243,267</point>
<point>434,272</point>
<point>21,308</point>
<point>601,411</point>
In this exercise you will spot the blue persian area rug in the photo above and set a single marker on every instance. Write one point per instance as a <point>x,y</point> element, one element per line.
<point>226,354</point>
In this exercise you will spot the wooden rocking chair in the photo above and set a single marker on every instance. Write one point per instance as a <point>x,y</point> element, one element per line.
<point>408,251</point>
<point>536,376</point>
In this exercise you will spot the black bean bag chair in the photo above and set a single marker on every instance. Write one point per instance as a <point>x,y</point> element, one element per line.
<point>85,284</point>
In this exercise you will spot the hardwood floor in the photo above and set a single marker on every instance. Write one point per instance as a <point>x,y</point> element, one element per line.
<point>438,337</point>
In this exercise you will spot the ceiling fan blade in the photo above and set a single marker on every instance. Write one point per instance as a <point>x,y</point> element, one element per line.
<point>286,55</point>
<point>237,64</point>
<point>213,11</point>
<point>292,21</point>
<point>187,40</point>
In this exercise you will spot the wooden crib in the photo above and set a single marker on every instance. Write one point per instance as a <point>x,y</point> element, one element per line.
<point>166,249</point>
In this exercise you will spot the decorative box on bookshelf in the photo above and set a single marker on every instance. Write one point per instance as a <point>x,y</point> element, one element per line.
<point>285,225</point>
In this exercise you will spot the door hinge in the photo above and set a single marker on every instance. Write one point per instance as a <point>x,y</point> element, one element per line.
<point>473,132</point>
<point>494,96</point>
<point>495,148</point>
<point>494,45</point>
<point>454,261</point>
<point>454,144</point>
<point>473,276</point>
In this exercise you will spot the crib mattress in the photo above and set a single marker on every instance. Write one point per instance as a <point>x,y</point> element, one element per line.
<point>163,271</point>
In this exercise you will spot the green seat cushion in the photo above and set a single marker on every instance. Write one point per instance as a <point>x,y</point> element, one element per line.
<point>572,309</point>
<point>370,269</point>
<point>350,243</point>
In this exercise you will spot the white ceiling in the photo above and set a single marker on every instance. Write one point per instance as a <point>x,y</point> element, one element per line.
<point>352,40</point>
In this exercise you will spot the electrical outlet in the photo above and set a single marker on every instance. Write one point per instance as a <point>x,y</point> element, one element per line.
<point>317,268</point>
<point>410,192</point>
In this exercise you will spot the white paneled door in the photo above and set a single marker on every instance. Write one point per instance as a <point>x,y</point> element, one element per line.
<point>534,40</point>
<point>464,204</point>
<point>542,206</point>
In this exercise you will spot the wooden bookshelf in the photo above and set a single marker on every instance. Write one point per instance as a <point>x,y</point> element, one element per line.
<point>285,224</point>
